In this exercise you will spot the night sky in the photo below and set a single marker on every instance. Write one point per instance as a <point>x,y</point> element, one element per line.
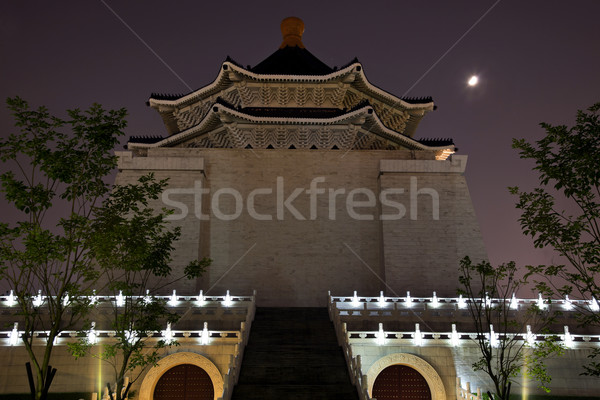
<point>536,60</point>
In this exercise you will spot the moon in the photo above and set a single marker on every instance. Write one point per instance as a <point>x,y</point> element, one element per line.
<point>473,80</point>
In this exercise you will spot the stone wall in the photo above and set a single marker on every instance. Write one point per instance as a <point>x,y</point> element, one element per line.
<point>88,374</point>
<point>292,255</point>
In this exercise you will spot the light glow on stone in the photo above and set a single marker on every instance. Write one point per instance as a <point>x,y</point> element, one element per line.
<point>380,335</point>
<point>530,337</point>
<point>381,299</point>
<point>92,337</point>
<point>147,298</point>
<point>11,299</point>
<point>408,300</point>
<point>227,301</point>
<point>200,300</point>
<point>205,334</point>
<point>488,301</point>
<point>355,301</point>
<point>493,338</point>
<point>66,300</point>
<point>167,334</point>
<point>434,300</point>
<point>540,302</point>
<point>13,338</point>
<point>455,337</point>
<point>37,302</point>
<point>462,304</point>
<point>568,338</point>
<point>594,305</point>
<point>120,299</point>
<point>130,335</point>
<point>173,299</point>
<point>513,302</point>
<point>568,303</point>
<point>418,336</point>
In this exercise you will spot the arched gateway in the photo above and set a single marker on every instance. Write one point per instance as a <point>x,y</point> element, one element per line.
<point>182,376</point>
<point>401,382</point>
<point>404,376</point>
<point>184,382</point>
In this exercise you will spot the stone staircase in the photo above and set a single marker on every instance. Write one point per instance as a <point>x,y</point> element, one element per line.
<point>293,354</point>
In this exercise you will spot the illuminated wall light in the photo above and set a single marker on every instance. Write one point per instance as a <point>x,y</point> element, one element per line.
<point>568,303</point>
<point>434,300</point>
<point>120,299</point>
<point>418,336</point>
<point>540,302</point>
<point>13,337</point>
<point>380,335</point>
<point>455,337</point>
<point>55,341</point>
<point>462,304</point>
<point>205,334</point>
<point>227,301</point>
<point>594,305</point>
<point>130,336</point>
<point>381,299</point>
<point>568,338</point>
<point>168,334</point>
<point>355,301</point>
<point>488,301</point>
<point>173,299</point>
<point>147,298</point>
<point>200,300</point>
<point>529,336</point>
<point>11,299</point>
<point>93,298</point>
<point>37,302</point>
<point>92,337</point>
<point>493,338</point>
<point>408,300</point>
<point>513,302</point>
<point>66,299</point>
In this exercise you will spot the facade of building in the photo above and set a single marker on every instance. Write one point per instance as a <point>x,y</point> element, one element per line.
<point>307,187</point>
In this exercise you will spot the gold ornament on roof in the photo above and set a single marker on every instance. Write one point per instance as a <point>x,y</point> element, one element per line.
<point>292,29</point>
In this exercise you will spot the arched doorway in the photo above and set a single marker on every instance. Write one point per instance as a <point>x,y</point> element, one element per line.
<point>184,382</point>
<point>400,382</point>
<point>434,381</point>
<point>173,360</point>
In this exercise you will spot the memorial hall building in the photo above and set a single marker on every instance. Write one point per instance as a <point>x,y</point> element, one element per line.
<point>335,233</point>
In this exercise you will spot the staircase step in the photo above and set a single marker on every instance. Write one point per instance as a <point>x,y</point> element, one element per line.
<point>293,354</point>
<point>294,392</point>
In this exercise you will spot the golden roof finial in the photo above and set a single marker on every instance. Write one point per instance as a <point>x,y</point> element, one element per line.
<point>292,29</point>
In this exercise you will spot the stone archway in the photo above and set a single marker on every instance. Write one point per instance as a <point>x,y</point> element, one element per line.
<point>436,386</point>
<point>173,360</point>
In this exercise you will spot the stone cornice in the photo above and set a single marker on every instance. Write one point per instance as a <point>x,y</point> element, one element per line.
<point>363,119</point>
<point>240,87</point>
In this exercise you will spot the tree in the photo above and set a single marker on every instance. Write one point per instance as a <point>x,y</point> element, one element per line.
<point>501,331</point>
<point>133,249</point>
<point>56,183</point>
<point>563,212</point>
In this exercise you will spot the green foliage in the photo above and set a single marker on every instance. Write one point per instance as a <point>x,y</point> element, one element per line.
<point>488,291</point>
<point>132,245</point>
<point>563,212</point>
<point>55,181</point>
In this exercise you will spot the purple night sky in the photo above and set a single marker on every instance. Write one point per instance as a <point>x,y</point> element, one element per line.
<point>536,60</point>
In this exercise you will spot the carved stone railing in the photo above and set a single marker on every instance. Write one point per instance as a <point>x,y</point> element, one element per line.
<point>231,378</point>
<point>372,308</point>
<point>466,393</point>
<point>358,379</point>
<point>204,307</point>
